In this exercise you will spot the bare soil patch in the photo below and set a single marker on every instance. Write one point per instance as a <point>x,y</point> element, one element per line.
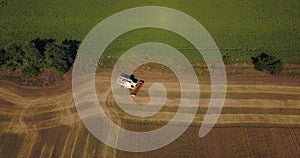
<point>228,142</point>
<point>256,121</point>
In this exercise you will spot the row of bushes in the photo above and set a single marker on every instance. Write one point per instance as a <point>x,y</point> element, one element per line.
<point>30,58</point>
<point>38,54</point>
<point>261,62</point>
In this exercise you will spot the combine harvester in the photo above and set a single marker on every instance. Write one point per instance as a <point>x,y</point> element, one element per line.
<point>131,83</point>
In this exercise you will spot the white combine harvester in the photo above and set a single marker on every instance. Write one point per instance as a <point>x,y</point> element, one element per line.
<point>131,83</point>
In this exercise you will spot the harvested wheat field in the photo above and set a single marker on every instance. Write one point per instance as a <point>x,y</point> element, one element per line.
<point>260,118</point>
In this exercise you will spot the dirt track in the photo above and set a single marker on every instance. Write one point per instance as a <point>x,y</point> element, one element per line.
<point>48,125</point>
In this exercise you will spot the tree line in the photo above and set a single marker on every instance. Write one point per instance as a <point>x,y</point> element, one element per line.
<point>32,57</point>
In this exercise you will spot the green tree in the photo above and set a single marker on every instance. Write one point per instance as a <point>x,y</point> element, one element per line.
<point>56,57</point>
<point>14,56</point>
<point>275,66</point>
<point>40,44</point>
<point>266,62</point>
<point>71,46</point>
<point>30,71</point>
<point>32,56</point>
<point>3,59</point>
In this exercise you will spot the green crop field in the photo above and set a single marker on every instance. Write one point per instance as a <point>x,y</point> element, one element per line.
<point>240,28</point>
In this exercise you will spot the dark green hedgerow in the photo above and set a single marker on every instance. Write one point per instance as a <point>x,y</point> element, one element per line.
<point>38,54</point>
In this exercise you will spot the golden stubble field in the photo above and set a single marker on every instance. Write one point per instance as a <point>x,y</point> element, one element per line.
<point>259,118</point>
